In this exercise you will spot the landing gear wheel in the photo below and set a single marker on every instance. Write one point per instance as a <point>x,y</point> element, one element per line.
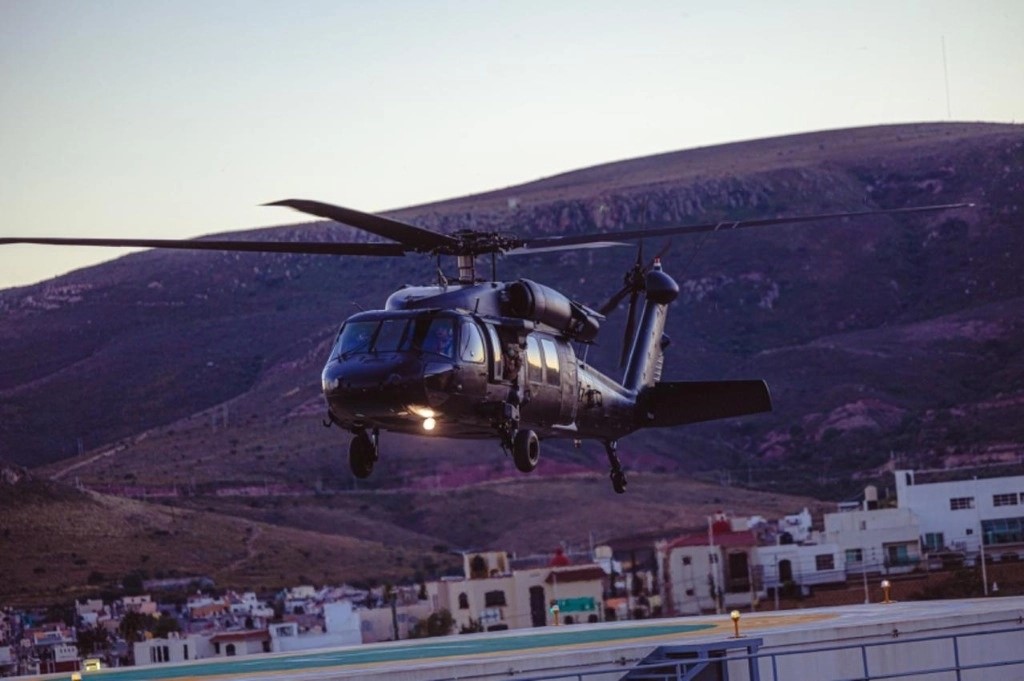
<point>526,450</point>
<point>362,454</point>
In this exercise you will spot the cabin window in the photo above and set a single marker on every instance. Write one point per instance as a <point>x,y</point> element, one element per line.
<point>356,337</point>
<point>550,361</point>
<point>534,368</point>
<point>471,347</point>
<point>392,336</point>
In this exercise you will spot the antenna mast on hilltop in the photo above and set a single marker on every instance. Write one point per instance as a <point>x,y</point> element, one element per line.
<point>945,75</point>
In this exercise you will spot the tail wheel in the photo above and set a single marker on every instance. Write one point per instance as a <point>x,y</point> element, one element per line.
<point>361,455</point>
<point>526,450</point>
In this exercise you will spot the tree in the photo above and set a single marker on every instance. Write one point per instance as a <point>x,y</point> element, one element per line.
<point>134,625</point>
<point>439,623</point>
<point>166,625</point>
<point>92,640</point>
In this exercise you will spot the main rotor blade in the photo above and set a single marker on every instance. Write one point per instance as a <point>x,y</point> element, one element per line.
<point>415,238</point>
<point>627,334</point>
<point>528,250</point>
<point>573,239</point>
<point>309,247</point>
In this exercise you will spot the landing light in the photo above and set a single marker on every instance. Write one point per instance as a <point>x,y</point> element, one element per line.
<point>423,412</point>
<point>429,423</point>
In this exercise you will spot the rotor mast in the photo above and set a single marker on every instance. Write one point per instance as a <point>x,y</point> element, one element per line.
<point>467,268</point>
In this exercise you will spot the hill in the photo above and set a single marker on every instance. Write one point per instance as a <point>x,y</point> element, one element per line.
<point>65,543</point>
<point>877,335</point>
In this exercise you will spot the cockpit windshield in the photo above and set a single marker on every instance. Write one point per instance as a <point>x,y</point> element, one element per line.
<point>427,334</point>
<point>355,337</point>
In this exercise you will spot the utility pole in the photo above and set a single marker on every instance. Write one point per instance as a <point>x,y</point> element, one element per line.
<point>864,575</point>
<point>394,611</point>
<point>981,537</point>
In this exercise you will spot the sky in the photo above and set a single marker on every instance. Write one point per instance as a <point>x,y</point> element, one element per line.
<point>172,119</point>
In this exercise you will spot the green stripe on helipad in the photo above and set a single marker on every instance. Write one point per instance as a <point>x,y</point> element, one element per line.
<point>379,653</point>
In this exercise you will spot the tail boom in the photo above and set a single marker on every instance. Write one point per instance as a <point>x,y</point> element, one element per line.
<point>678,403</point>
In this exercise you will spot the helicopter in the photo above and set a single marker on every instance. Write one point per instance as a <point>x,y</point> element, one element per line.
<point>479,358</point>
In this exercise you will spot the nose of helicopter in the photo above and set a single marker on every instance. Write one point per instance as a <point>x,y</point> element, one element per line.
<point>381,387</point>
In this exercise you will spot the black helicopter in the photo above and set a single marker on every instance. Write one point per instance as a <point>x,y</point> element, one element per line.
<point>486,359</point>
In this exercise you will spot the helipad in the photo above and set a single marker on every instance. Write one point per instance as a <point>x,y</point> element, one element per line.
<point>867,641</point>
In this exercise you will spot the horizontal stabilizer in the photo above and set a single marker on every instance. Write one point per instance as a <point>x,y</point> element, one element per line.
<point>680,402</point>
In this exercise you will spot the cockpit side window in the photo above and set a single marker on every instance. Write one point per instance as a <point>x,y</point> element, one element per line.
<point>471,347</point>
<point>440,337</point>
<point>355,338</point>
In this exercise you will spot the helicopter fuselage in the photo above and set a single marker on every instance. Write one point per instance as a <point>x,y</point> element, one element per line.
<point>428,365</point>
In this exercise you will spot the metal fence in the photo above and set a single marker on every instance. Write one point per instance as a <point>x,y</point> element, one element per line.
<point>967,658</point>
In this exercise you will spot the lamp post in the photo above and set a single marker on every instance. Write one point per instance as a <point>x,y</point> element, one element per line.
<point>735,615</point>
<point>886,586</point>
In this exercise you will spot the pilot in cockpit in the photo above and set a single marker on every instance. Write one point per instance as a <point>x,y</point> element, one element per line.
<point>440,339</point>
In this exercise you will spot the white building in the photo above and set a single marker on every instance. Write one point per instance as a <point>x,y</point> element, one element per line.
<point>341,628</point>
<point>957,515</point>
<point>713,570</point>
<point>803,565</point>
<point>172,649</point>
<point>798,526</point>
<point>248,605</point>
<point>141,604</point>
<point>886,540</point>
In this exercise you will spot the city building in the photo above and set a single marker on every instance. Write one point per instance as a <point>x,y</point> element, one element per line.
<point>965,515</point>
<point>881,540</point>
<point>341,628</point>
<point>174,648</point>
<point>491,597</point>
<point>711,570</point>
<point>240,643</point>
<point>8,662</point>
<point>801,566</point>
